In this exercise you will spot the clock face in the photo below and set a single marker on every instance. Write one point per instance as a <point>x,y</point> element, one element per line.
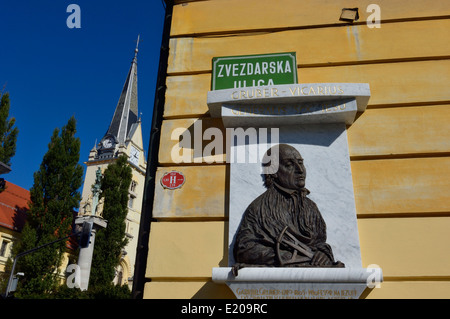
<point>107,143</point>
<point>134,155</point>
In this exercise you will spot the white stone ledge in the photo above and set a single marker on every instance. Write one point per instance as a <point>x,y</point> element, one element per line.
<point>288,94</point>
<point>96,220</point>
<point>333,111</point>
<point>297,275</point>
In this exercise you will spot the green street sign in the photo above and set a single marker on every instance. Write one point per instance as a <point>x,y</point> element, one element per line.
<point>253,70</point>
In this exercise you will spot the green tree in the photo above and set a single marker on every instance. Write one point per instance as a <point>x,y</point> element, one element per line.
<point>8,133</point>
<point>54,196</point>
<point>109,242</point>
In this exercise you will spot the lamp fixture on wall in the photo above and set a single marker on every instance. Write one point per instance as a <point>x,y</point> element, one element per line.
<point>349,14</point>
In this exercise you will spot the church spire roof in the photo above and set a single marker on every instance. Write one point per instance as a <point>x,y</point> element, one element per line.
<point>126,113</point>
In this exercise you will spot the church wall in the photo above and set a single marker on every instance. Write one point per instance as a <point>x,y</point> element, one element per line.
<point>399,147</point>
<point>134,212</point>
<point>133,220</point>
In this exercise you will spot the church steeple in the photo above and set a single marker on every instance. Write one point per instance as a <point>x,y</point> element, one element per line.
<point>123,138</point>
<point>126,113</point>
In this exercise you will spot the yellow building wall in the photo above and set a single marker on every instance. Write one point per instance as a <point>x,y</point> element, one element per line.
<point>12,237</point>
<point>9,236</point>
<point>399,147</point>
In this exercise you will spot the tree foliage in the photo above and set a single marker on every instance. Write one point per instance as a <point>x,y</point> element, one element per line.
<point>109,242</point>
<point>8,133</point>
<point>107,291</point>
<point>54,196</point>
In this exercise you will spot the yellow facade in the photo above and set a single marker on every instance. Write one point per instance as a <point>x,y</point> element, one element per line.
<point>399,147</point>
<point>7,238</point>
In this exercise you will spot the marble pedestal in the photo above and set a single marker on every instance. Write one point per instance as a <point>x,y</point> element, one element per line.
<point>85,254</point>
<point>299,283</point>
<point>313,119</point>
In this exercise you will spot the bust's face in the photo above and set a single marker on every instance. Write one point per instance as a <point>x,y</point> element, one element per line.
<point>291,171</point>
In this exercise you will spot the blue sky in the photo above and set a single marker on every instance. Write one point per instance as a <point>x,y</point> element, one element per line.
<point>53,72</point>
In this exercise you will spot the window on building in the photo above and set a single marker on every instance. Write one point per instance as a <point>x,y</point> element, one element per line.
<point>130,202</point>
<point>133,186</point>
<point>119,278</point>
<point>4,248</point>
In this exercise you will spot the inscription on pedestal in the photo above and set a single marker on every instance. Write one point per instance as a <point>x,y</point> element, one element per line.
<point>295,291</point>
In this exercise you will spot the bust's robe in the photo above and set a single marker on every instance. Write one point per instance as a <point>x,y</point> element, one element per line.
<point>264,220</point>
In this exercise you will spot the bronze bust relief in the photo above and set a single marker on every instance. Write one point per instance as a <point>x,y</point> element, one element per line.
<point>283,227</point>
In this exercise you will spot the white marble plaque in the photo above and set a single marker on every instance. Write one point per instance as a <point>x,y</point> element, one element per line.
<point>328,178</point>
<point>312,118</point>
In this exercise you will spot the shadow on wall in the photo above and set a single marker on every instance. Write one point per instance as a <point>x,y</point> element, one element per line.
<point>211,290</point>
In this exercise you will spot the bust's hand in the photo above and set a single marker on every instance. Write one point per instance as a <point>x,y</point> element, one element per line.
<point>320,259</point>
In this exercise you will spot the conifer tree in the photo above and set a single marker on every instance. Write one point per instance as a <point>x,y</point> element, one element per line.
<point>109,242</point>
<point>54,196</point>
<point>8,133</point>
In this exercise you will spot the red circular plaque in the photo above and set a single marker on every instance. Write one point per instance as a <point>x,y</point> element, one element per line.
<point>172,180</point>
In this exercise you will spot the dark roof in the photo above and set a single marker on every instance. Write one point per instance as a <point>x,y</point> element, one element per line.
<point>126,112</point>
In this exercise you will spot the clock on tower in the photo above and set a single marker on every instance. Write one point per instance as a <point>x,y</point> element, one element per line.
<point>134,155</point>
<point>108,142</point>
